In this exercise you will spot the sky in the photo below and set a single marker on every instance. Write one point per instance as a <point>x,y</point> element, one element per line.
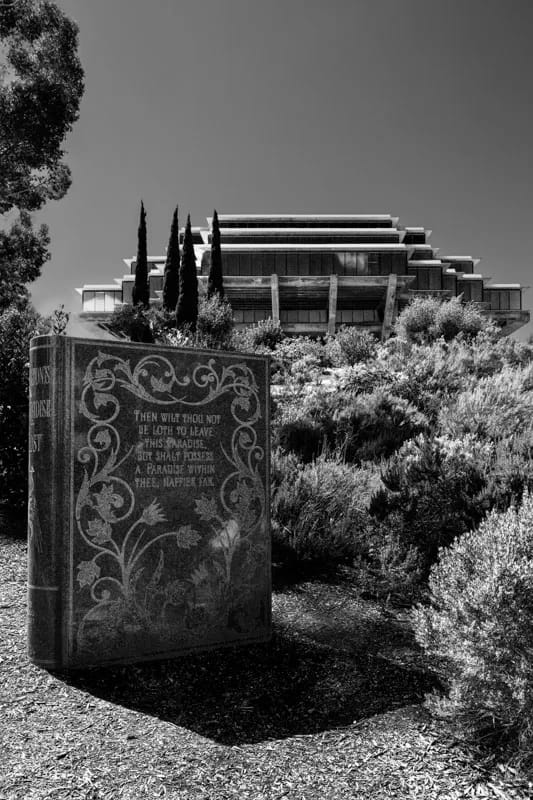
<point>417,108</point>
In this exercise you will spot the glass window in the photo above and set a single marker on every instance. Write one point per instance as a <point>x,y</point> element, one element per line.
<point>88,301</point>
<point>476,291</point>
<point>314,263</point>
<point>303,263</point>
<point>326,267</point>
<point>248,315</point>
<point>269,265</point>
<point>292,263</point>
<point>232,264</point>
<point>515,300</point>
<point>292,315</point>
<point>466,291</point>
<point>244,264</point>
<point>494,300</point>
<point>338,263</point>
<point>373,264</point>
<point>303,315</point>
<point>422,278</point>
<point>350,262</point>
<point>362,264</point>
<point>99,301</point>
<point>435,279</point>
<point>281,263</point>
<point>256,265</point>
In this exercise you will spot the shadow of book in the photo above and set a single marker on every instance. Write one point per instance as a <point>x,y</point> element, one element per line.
<point>292,685</point>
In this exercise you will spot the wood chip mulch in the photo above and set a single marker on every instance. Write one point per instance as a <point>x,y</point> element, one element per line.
<point>330,709</point>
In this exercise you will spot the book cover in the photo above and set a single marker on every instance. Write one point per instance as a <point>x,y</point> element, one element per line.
<point>148,514</point>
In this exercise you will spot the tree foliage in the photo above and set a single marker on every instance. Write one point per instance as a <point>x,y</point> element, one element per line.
<point>41,85</point>
<point>17,326</point>
<point>171,274</point>
<point>141,291</point>
<point>187,308</point>
<point>214,280</point>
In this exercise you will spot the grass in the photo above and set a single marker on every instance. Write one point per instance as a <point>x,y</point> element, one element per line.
<point>331,708</point>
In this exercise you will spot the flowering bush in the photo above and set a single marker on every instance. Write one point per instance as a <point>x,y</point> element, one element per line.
<point>350,346</point>
<point>426,319</point>
<point>375,425</point>
<point>478,628</point>
<point>214,325</point>
<point>493,407</point>
<point>318,511</point>
<point>265,334</point>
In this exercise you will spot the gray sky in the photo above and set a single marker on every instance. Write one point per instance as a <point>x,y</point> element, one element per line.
<point>418,108</point>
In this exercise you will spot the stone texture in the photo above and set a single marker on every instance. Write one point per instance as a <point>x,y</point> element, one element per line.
<point>168,540</point>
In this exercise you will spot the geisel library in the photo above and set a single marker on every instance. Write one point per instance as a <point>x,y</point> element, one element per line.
<point>315,273</point>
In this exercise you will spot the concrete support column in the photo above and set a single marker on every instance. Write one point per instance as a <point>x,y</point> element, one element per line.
<point>390,304</point>
<point>274,289</point>
<point>332,319</point>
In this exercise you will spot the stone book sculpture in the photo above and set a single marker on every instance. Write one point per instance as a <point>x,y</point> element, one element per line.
<point>148,519</point>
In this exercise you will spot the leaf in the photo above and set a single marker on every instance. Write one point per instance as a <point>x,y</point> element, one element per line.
<point>200,575</point>
<point>88,572</point>
<point>102,399</point>
<point>123,366</point>
<point>156,577</point>
<point>99,530</point>
<point>83,495</point>
<point>103,437</point>
<point>159,385</point>
<point>206,508</point>
<point>243,402</point>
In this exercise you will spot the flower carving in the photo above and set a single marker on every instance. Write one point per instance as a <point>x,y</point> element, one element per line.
<point>106,499</point>
<point>99,530</point>
<point>88,572</point>
<point>153,514</point>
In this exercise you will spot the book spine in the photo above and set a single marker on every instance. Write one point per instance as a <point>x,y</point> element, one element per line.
<point>45,499</point>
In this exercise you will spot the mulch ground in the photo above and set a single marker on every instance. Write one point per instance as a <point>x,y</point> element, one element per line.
<point>331,708</point>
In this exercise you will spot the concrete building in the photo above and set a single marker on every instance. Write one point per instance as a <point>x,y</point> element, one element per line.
<point>314,273</point>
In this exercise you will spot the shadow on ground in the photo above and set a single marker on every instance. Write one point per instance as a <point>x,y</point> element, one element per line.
<point>293,685</point>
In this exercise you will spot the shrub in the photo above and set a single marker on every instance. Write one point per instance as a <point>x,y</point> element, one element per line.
<point>350,346</point>
<point>391,568</point>
<point>433,491</point>
<point>318,511</point>
<point>426,319</point>
<point>416,322</point>
<point>493,407</point>
<point>132,322</point>
<point>214,325</point>
<point>303,437</point>
<point>375,425</point>
<point>17,326</point>
<point>478,627</point>
<point>265,334</point>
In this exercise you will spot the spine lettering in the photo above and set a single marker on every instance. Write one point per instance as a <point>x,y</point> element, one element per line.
<point>44,596</point>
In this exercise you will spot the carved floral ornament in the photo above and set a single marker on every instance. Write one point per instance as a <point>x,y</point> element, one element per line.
<point>124,597</point>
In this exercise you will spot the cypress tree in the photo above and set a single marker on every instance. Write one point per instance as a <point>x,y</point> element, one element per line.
<point>187,307</point>
<point>141,292</point>
<point>214,280</point>
<point>171,274</point>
